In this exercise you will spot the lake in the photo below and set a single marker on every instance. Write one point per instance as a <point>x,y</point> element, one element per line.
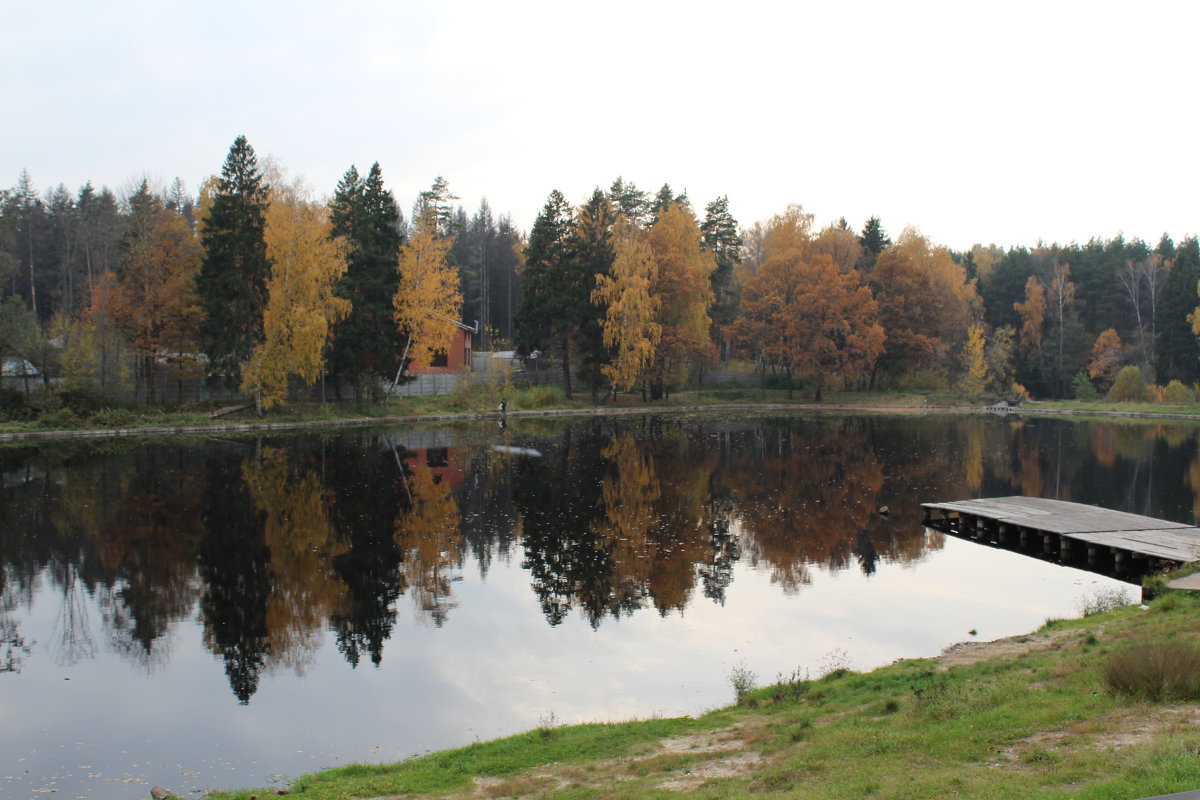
<point>229,611</point>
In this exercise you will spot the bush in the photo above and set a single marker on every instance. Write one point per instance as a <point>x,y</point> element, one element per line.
<point>114,418</point>
<point>1084,389</point>
<point>1129,385</point>
<point>13,405</point>
<point>1157,671</point>
<point>83,400</point>
<point>1178,394</point>
<point>543,396</point>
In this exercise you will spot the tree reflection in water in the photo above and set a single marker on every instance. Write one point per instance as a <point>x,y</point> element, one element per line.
<point>276,542</point>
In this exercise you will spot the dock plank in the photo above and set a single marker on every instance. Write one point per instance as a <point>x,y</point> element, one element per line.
<point>1119,530</point>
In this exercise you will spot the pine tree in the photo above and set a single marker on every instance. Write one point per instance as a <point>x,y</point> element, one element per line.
<point>630,201</point>
<point>873,240</point>
<point>234,270</point>
<point>591,252</point>
<point>722,238</point>
<point>1176,347</point>
<point>540,322</point>
<point>367,343</point>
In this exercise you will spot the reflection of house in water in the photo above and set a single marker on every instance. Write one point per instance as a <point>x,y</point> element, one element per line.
<point>448,464</point>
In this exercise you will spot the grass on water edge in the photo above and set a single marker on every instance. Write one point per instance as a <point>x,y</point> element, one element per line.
<point>1042,721</point>
<point>482,397</point>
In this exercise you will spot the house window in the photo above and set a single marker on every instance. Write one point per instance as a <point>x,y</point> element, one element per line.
<point>441,359</point>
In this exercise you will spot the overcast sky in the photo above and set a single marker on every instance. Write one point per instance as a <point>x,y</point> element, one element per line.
<point>977,122</point>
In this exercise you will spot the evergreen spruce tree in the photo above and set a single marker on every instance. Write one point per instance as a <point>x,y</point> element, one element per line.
<point>366,344</point>
<point>233,273</point>
<point>722,238</point>
<point>630,201</point>
<point>540,319</point>
<point>591,253</point>
<point>873,241</point>
<point>1176,349</point>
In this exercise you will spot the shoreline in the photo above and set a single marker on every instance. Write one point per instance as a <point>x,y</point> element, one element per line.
<point>67,434</point>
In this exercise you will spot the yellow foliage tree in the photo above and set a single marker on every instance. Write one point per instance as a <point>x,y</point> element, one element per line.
<point>629,324</point>
<point>301,305</point>
<point>429,297</point>
<point>976,377</point>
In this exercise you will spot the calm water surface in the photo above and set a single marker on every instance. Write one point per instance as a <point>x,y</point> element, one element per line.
<point>236,612</point>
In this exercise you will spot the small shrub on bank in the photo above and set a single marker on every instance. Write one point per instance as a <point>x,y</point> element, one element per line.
<point>545,396</point>
<point>742,679</point>
<point>1129,385</point>
<point>1178,394</point>
<point>13,405</point>
<point>1083,387</point>
<point>1155,671</point>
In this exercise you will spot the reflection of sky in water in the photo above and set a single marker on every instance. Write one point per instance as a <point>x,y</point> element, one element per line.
<point>103,729</point>
<point>85,717</point>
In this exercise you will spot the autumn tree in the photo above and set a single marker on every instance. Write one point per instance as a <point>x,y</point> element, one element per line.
<point>428,300</point>
<point>975,378</point>
<point>926,305</point>
<point>631,330</point>
<point>368,224</point>
<point>1106,360</point>
<point>306,263</point>
<point>234,270</point>
<point>805,315</point>
<point>154,300</point>
<point>683,288</point>
<point>1033,315</point>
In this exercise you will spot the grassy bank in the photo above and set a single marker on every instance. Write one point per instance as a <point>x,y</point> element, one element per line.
<point>1101,707</point>
<point>484,399</point>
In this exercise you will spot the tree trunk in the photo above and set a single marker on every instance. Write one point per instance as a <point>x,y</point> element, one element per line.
<point>566,362</point>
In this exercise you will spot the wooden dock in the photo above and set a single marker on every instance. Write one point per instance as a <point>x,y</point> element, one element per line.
<point>1066,528</point>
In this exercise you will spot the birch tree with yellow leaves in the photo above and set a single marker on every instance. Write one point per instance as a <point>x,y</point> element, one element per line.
<point>301,305</point>
<point>429,297</point>
<point>630,327</point>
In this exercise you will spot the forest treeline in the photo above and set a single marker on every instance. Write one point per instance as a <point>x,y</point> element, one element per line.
<point>255,280</point>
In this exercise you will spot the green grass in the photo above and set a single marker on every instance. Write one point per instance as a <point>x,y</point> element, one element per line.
<point>483,396</point>
<point>1041,724</point>
<point>451,770</point>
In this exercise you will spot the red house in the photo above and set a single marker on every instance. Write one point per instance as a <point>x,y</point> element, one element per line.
<point>457,358</point>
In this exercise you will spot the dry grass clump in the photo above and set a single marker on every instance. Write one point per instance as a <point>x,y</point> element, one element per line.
<point>1155,671</point>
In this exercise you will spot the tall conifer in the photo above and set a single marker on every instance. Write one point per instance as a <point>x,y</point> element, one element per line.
<point>233,273</point>
<point>366,343</point>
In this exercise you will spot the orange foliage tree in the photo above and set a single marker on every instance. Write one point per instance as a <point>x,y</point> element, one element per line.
<point>805,315</point>
<point>154,300</point>
<point>684,291</point>
<point>1106,360</point>
<point>926,305</point>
